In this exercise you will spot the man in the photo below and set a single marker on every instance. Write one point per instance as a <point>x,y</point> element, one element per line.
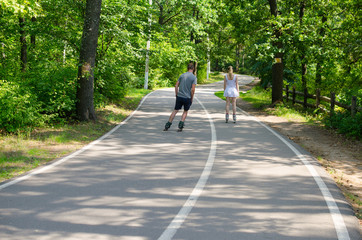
<point>184,90</point>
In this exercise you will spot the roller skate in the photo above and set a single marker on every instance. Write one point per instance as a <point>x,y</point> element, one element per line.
<point>167,126</point>
<point>234,118</point>
<point>180,126</point>
<point>226,117</point>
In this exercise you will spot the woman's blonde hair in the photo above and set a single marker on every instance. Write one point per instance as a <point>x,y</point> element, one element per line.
<point>230,72</point>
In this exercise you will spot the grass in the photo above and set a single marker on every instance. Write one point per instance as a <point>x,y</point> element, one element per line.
<point>220,94</point>
<point>256,96</point>
<point>294,114</point>
<point>356,201</point>
<point>23,152</point>
<point>261,99</point>
<point>213,77</point>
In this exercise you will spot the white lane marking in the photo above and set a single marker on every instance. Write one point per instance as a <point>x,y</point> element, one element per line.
<point>46,168</point>
<point>338,221</point>
<point>195,194</point>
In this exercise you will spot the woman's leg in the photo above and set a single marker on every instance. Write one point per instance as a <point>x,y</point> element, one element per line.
<point>227,109</point>
<point>227,105</point>
<point>233,100</point>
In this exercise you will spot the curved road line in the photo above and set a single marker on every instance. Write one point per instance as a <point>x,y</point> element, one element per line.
<point>339,225</point>
<point>195,194</point>
<point>43,169</point>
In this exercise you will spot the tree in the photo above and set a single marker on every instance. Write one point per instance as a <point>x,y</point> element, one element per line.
<point>277,69</point>
<point>85,88</point>
<point>23,51</point>
<point>303,50</point>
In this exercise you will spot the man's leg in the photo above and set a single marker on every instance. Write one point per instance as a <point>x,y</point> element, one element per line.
<point>182,122</point>
<point>169,123</point>
<point>172,116</point>
<point>184,115</point>
<point>187,105</point>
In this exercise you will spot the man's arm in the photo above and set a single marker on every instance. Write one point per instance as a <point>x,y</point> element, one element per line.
<point>176,88</point>
<point>193,91</point>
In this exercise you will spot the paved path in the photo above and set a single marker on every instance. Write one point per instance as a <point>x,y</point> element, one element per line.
<point>212,181</point>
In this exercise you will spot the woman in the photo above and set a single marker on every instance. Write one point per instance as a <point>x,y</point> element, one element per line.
<point>231,92</point>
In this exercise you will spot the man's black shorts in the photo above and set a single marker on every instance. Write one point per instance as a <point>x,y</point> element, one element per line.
<point>185,102</point>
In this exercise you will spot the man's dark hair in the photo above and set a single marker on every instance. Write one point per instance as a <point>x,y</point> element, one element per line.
<point>190,66</point>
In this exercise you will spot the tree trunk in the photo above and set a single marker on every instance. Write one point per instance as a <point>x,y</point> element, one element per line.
<point>3,50</point>
<point>237,62</point>
<point>195,68</point>
<point>194,38</point>
<point>318,80</point>
<point>217,60</point>
<point>85,89</point>
<point>217,64</point>
<point>23,50</point>
<point>32,37</point>
<point>162,17</point>
<point>243,60</point>
<point>304,71</point>
<point>277,68</point>
<point>303,48</point>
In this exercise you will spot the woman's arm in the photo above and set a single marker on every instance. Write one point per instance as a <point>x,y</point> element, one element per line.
<point>237,84</point>
<point>224,83</point>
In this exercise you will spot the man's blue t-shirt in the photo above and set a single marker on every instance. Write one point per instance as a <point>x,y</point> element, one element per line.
<point>186,80</point>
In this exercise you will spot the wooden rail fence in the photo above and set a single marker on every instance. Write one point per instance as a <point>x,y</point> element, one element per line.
<point>332,100</point>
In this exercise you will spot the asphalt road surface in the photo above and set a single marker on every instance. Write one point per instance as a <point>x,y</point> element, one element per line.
<point>213,181</point>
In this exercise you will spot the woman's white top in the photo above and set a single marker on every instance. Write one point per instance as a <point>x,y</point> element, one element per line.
<point>230,89</point>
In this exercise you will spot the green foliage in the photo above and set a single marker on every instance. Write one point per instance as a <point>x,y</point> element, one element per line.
<point>214,77</point>
<point>326,38</point>
<point>167,62</point>
<point>111,81</point>
<point>19,110</point>
<point>55,90</point>
<point>201,73</point>
<point>345,96</point>
<point>341,120</point>
<point>258,96</point>
<point>157,79</point>
<point>346,124</point>
<point>220,94</point>
<point>23,152</point>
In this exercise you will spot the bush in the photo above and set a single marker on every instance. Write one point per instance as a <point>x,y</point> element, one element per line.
<point>111,81</point>
<point>157,79</point>
<point>346,124</point>
<point>19,108</point>
<point>345,96</point>
<point>201,73</point>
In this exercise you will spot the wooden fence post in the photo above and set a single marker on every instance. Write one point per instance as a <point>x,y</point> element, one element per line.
<point>354,106</point>
<point>287,92</point>
<point>318,97</point>
<point>293,95</point>
<point>333,99</point>
<point>305,98</point>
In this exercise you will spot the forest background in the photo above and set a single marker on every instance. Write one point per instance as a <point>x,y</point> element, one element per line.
<point>40,41</point>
